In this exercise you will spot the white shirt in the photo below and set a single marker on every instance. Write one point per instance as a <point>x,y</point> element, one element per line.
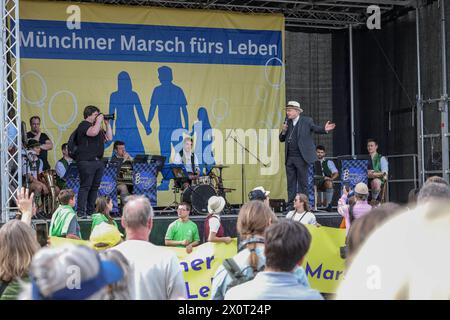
<point>187,161</point>
<point>34,168</point>
<point>294,122</point>
<point>60,170</point>
<point>155,271</point>
<point>214,223</point>
<point>305,218</point>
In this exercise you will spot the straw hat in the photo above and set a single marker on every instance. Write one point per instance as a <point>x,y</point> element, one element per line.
<point>216,204</point>
<point>294,105</point>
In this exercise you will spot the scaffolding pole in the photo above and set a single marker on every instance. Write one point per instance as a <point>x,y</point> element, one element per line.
<point>352,97</point>
<point>10,122</point>
<point>444,101</point>
<point>419,106</point>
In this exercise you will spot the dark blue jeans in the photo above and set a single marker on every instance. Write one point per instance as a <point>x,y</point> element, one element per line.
<point>91,173</point>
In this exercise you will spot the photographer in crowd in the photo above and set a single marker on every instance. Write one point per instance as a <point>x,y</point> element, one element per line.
<point>90,140</point>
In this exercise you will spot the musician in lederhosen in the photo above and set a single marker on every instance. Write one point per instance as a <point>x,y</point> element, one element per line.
<point>62,165</point>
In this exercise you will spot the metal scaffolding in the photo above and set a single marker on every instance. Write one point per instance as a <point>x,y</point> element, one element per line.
<point>10,133</point>
<point>427,168</point>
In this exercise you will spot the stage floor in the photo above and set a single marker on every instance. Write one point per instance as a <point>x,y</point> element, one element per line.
<point>162,219</point>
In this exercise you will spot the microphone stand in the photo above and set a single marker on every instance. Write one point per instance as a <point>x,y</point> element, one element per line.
<point>243,167</point>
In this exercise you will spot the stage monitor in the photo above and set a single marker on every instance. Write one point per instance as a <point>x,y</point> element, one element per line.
<point>140,158</point>
<point>158,160</point>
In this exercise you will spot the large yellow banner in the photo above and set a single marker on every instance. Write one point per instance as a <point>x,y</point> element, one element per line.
<point>161,71</point>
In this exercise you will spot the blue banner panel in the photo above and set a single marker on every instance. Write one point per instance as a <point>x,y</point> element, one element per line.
<point>45,39</point>
<point>144,180</point>
<point>353,172</point>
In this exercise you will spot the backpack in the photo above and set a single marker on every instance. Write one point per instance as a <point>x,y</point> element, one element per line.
<point>72,145</point>
<point>237,275</point>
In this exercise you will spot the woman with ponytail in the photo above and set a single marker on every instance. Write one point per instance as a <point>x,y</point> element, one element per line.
<point>254,217</point>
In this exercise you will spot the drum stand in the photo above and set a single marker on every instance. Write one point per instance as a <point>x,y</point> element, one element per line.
<point>175,203</point>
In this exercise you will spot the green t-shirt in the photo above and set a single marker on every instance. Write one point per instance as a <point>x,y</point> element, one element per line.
<point>179,231</point>
<point>61,222</point>
<point>98,218</point>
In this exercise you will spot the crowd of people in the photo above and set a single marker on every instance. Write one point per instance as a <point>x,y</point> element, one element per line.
<point>391,251</point>
<point>401,243</point>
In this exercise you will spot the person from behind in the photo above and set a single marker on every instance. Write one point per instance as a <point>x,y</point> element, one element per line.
<point>301,212</point>
<point>214,231</point>
<point>432,191</point>
<point>118,290</point>
<point>358,209</point>
<point>254,218</point>
<point>156,273</point>
<point>407,258</point>
<point>259,193</point>
<point>286,244</point>
<point>363,227</point>
<point>103,207</point>
<point>437,179</point>
<point>64,221</point>
<point>183,232</point>
<point>52,274</point>
<point>18,245</point>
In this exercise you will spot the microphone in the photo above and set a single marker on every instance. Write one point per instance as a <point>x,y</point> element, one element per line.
<point>285,123</point>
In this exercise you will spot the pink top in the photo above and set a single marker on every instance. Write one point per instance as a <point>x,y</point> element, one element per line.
<point>360,209</point>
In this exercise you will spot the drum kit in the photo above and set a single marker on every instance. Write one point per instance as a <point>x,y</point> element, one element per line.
<point>202,188</point>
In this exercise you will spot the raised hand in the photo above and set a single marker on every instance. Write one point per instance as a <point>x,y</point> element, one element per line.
<point>25,204</point>
<point>329,126</point>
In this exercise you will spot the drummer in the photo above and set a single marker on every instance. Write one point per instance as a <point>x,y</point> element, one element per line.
<point>190,161</point>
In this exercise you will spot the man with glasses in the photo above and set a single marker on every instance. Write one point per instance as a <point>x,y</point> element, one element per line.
<point>183,232</point>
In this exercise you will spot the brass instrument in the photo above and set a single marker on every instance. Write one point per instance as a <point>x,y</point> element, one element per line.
<point>48,177</point>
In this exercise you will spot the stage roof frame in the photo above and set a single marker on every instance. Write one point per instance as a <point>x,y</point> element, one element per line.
<point>306,16</point>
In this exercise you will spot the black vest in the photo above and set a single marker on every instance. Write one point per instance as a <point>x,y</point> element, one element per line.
<point>292,140</point>
<point>192,160</point>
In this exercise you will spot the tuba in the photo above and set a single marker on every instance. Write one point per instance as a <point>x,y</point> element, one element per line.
<point>48,177</point>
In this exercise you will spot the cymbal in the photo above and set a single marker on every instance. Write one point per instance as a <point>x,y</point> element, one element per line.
<point>220,166</point>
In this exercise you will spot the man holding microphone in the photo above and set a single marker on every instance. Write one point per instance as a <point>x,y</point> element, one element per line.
<point>91,138</point>
<point>300,150</point>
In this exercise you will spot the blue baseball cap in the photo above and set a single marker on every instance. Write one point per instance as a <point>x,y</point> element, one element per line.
<point>109,273</point>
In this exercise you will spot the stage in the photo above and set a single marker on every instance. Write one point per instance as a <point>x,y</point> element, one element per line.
<point>162,219</point>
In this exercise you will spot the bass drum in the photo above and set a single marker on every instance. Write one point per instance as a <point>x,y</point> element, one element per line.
<point>198,197</point>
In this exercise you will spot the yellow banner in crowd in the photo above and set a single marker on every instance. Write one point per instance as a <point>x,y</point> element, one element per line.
<point>200,266</point>
<point>323,264</point>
